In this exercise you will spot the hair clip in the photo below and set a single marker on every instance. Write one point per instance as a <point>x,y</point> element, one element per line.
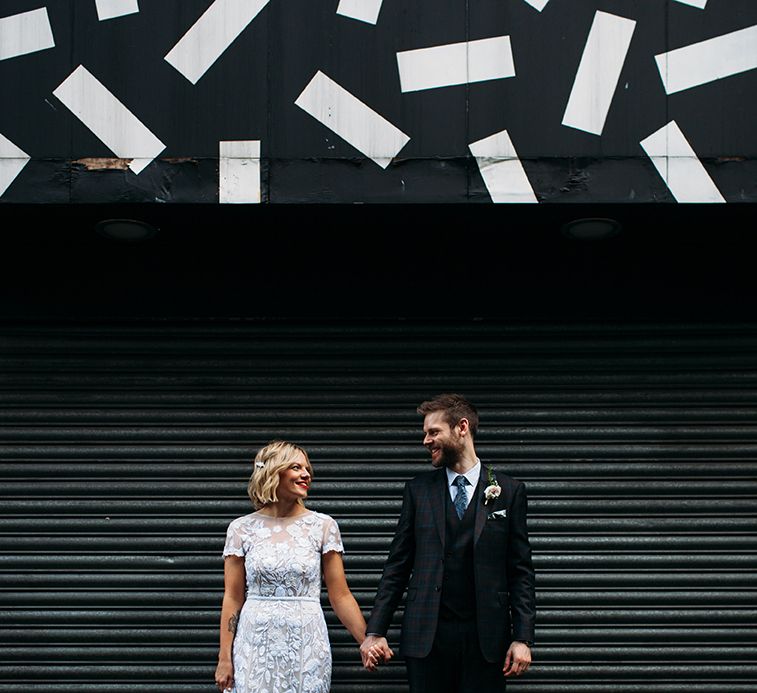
<point>259,464</point>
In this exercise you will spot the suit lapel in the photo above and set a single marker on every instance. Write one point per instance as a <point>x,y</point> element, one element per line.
<point>438,489</point>
<point>481,510</point>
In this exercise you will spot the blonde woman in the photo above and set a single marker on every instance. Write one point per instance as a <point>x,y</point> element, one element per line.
<point>273,633</point>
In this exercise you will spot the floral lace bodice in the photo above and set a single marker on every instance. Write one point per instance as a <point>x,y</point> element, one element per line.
<point>283,555</point>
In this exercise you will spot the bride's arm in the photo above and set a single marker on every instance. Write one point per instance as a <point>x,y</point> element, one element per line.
<point>233,599</point>
<point>341,599</point>
<point>346,608</point>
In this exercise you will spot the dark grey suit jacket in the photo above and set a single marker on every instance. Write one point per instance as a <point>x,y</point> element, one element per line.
<point>504,574</point>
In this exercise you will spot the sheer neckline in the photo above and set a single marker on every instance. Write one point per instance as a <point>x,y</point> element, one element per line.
<point>281,520</point>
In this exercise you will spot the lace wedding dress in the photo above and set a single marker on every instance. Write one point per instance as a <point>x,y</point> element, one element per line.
<point>281,644</point>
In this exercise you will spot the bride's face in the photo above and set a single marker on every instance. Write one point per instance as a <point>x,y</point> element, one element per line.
<point>294,481</point>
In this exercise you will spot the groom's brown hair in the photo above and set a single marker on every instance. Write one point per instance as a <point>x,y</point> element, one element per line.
<point>454,406</point>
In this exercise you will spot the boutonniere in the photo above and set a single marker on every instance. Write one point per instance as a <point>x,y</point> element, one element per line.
<point>493,489</point>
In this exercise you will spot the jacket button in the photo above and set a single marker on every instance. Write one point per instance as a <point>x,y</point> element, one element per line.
<point>437,588</point>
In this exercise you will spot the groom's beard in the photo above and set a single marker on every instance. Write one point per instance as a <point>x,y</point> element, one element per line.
<point>450,455</point>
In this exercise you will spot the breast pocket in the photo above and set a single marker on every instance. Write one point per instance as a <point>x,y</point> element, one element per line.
<point>497,525</point>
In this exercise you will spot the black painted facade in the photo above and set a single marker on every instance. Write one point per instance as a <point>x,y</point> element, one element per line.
<point>249,94</point>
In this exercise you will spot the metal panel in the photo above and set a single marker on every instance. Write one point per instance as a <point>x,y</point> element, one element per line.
<point>56,155</point>
<point>125,453</point>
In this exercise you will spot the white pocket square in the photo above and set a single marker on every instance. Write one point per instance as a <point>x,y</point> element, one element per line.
<point>499,514</point>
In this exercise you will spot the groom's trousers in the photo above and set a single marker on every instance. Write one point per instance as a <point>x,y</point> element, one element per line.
<point>455,663</point>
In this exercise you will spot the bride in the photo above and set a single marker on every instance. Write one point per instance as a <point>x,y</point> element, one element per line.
<point>273,633</point>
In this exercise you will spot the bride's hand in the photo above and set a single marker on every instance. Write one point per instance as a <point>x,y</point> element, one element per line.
<point>224,675</point>
<point>374,651</point>
<point>377,654</point>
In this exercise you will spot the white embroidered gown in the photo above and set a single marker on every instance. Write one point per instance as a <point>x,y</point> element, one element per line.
<point>281,644</point>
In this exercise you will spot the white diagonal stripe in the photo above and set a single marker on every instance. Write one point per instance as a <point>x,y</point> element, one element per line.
<point>110,9</point>
<point>694,3</point>
<point>679,166</point>
<point>706,61</point>
<point>363,10</point>
<point>25,33</point>
<point>501,169</point>
<point>211,35</point>
<point>12,162</point>
<point>114,124</point>
<point>239,172</point>
<point>351,119</point>
<point>538,4</point>
<point>598,73</point>
<point>455,63</point>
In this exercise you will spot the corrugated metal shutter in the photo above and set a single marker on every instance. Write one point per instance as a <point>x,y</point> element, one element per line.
<point>126,448</point>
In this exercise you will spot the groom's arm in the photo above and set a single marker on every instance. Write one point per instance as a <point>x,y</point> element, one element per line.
<point>397,568</point>
<point>520,570</point>
<point>393,581</point>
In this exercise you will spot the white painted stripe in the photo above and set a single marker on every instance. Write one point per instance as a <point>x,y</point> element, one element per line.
<point>694,3</point>
<point>12,162</point>
<point>362,10</point>
<point>501,169</point>
<point>456,63</point>
<point>239,172</point>
<point>25,33</point>
<point>114,124</point>
<point>211,35</point>
<point>598,73</point>
<point>355,122</point>
<point>540,4</point>
<point>708,60</point>
<point>679,166</point>
<point>110,9</point>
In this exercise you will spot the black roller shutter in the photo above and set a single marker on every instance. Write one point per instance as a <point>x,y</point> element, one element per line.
<point>126,448</point>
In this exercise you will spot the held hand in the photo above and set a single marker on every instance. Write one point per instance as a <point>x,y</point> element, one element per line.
<point>518,659</point>
<point>224,675</point>
<point>375,650</point>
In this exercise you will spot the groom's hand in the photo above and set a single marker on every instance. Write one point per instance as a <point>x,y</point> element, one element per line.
<point>375,650</point>
<point>518,659</point>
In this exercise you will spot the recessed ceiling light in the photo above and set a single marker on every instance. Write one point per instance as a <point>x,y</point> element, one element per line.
<point>129,230</point>
<point>591,229</point>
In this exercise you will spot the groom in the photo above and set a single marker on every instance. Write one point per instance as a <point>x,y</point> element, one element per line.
<point>461,549</point>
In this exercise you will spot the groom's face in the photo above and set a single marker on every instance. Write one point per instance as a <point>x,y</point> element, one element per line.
<point>441,440</point>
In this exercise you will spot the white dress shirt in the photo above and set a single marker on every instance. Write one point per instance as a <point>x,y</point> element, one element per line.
<point>472,475</point>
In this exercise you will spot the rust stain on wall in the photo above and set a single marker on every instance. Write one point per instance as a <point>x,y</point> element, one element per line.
<point>99,163</point>
<point>103,164</point>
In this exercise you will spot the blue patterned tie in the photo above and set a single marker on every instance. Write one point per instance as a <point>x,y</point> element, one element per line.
<point>461,499</point>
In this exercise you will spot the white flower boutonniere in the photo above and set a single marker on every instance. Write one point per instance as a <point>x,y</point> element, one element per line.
<point>493,489</point>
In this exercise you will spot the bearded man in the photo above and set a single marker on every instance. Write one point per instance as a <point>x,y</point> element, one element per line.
<point>461,550</point>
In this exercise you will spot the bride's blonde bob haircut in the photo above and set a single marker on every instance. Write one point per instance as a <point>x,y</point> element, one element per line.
<point>269,462</point>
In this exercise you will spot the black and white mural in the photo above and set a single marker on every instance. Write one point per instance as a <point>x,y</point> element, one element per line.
<point>282,101</point>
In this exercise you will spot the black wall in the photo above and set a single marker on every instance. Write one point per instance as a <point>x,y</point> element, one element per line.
<point>669,262</point>
<point>250,93</point>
